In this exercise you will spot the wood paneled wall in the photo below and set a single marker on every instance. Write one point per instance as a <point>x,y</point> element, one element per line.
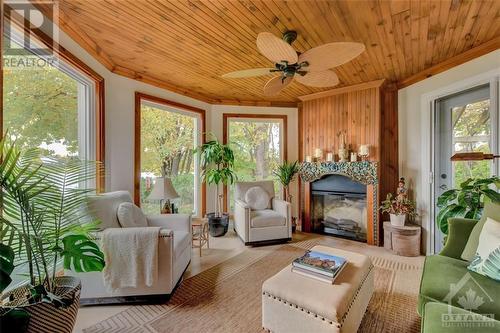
<point>368,113</point>
<point>356,112</point>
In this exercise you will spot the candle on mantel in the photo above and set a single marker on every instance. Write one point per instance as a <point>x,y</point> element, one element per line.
<point>318,153</point>
<point>364,151</point>
<point>354,157</point>
<point>308,159</point>
<point>329,157</point>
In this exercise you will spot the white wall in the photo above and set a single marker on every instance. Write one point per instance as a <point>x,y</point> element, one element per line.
<point>119,98</point>
<point>414,126</point>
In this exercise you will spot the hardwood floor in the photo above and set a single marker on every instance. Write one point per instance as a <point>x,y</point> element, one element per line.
<point>223,248</point>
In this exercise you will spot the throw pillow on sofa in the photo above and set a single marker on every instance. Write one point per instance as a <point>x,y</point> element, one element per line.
<point>491,210</point>
<point>129,215</point>
<point>487,259</point>
<point>257,198</point>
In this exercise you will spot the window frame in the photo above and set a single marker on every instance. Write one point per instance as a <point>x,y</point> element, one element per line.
<point>70,63</point>
<point>143,97</point>
<point>226,117</point>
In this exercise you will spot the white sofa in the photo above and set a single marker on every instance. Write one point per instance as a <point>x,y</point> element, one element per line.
<point>174,253</point>
<point>257,226</point>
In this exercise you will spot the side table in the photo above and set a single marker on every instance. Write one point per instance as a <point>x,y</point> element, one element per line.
<point>200,236</point>
<point>403,241</point>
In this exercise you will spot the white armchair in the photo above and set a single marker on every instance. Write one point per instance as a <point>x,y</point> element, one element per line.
<point>274,223</point>
<point>174,253</point>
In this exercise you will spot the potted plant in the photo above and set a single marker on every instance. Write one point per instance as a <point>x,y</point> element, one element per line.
<point>217,163</point>
<point>398,209</point>
<point>44,226</point>
<point>286,173</point>
<point>467,201</point>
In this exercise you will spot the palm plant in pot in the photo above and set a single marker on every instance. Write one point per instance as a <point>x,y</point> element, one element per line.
<point>286,173</point>
<point>217,164</point>
<point>44,226</point>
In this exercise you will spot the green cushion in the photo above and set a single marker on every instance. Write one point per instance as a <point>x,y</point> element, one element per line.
<point>437,320</point>
<point>491,210</point>
<point>441,272</point>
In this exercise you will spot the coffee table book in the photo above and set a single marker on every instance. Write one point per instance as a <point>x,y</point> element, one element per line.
<point>319,265</point>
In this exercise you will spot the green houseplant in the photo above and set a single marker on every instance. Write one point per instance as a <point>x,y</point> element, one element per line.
<point>217,165</point>
<point>467,201</point>
<point>44,225</point>
<point>398,209</point>
<point>286,173</point>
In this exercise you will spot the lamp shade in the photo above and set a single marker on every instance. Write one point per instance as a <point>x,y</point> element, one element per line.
<point>163,189</point>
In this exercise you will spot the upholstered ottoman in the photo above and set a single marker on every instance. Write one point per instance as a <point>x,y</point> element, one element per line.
<point>295,303</point>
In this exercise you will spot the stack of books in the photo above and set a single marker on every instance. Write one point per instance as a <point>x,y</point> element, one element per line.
<point>320,266</point>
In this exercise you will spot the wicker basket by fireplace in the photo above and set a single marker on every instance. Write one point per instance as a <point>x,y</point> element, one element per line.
<point>45,317</point>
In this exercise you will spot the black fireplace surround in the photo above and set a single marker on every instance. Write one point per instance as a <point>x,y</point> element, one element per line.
<point>338,207</point>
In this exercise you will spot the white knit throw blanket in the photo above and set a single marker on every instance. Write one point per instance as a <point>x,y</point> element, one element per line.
<point>131,256</point>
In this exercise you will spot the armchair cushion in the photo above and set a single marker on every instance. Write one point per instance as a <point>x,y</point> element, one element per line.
<point>104,206</point>
<point>129,215</point>
<point>257,198</point>
<point>241,188</point>
<point>266,218</point>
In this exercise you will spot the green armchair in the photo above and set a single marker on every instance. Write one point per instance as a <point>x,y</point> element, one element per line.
<point>445,271</point>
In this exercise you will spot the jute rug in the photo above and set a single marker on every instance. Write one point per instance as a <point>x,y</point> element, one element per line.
<point>227,297</point>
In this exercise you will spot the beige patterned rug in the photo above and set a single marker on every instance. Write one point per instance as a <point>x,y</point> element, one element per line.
<point>227,297</point>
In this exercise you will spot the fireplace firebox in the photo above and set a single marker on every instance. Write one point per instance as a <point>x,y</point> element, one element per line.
<point>339,207</point>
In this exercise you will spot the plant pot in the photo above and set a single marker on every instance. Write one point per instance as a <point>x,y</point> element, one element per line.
<point>217,226</point>
<point>398,220</point>
<point>45,317</point>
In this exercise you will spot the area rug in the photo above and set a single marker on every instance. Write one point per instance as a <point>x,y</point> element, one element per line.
<point>227,297</point>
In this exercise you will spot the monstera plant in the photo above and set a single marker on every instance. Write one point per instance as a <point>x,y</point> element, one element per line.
<point>467,201</point>
<point>44,226</point>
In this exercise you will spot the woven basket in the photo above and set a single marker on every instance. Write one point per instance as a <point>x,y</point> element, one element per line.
<point>45,317</point>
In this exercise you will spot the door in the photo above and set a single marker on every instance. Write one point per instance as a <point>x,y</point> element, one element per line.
<point>464,122</point>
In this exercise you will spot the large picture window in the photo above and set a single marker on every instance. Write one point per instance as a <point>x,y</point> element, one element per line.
<point>51,100</point>
<point>259,145</point>
<point>166,134</point>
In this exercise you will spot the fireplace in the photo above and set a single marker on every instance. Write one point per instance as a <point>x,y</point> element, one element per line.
<point>339,207</point>
<point>341,199</point>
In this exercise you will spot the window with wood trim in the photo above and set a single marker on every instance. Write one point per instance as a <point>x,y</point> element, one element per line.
<point>166,134</point>
<point>259,145</point>
<point>51,100</point>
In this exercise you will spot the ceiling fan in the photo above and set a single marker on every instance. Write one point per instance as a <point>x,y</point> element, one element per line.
<point>311,68</point>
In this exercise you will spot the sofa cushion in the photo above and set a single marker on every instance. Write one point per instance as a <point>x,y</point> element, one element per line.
<point>182,240</point>
<point>129,215</point>
<point>266,218</point>
<point>442,273</point>
<point>257,198</point>
<point>487,259</point>
<point>438,318</point>
<point>491,210</point>
<point>103,207</point>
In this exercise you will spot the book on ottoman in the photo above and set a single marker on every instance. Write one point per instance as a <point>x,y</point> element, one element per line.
<point>321,266</point>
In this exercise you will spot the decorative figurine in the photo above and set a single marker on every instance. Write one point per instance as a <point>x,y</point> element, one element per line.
<point>401,191</point>
<point>343,150</point>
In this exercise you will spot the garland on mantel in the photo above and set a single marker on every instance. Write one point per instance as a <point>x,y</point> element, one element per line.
<point>364,172</point>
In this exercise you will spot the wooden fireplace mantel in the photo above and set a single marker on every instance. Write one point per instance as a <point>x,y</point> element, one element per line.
<point>365,172</point>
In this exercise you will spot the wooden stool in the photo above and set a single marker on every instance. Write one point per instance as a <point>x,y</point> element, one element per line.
<point>199,228</point>
<point>403,241</point>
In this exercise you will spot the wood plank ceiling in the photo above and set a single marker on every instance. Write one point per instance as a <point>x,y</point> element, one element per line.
<point>185,46</point>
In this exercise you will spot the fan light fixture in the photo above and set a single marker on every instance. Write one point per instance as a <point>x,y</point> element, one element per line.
<point>311,68</point>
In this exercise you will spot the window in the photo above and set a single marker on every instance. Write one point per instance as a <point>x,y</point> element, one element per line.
<point>51,101</point>
<point>259,146</point>
<point>166,134</point>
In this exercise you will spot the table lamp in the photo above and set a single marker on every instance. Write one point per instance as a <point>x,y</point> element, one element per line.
<point>164,191</point>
